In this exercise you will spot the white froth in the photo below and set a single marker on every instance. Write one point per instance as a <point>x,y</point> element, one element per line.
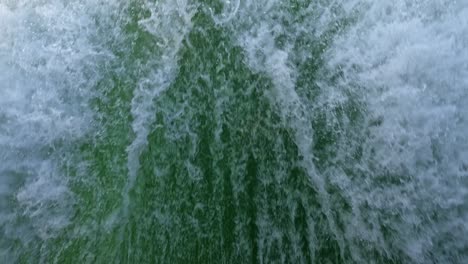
<point>48,66</point>
<point>169,23</point>
<point>257,38</point>
<point>408,60</point>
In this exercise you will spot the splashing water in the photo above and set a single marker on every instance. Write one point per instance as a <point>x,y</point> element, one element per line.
<point>234,131</point>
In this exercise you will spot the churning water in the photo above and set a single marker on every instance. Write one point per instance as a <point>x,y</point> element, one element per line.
<point>242,131</point>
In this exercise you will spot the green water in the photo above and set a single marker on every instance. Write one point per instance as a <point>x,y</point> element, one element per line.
<point>219,132</point>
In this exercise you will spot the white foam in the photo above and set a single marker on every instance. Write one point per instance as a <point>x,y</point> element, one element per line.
<point>169,23</point>
<point>409,61</point>
<point>48,67</point>
<point>264,56</point>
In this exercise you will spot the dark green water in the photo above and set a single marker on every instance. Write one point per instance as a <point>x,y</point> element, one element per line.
<point>233,132</point>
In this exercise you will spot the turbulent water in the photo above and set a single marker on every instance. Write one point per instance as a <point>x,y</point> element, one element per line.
<point>242,131</point>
